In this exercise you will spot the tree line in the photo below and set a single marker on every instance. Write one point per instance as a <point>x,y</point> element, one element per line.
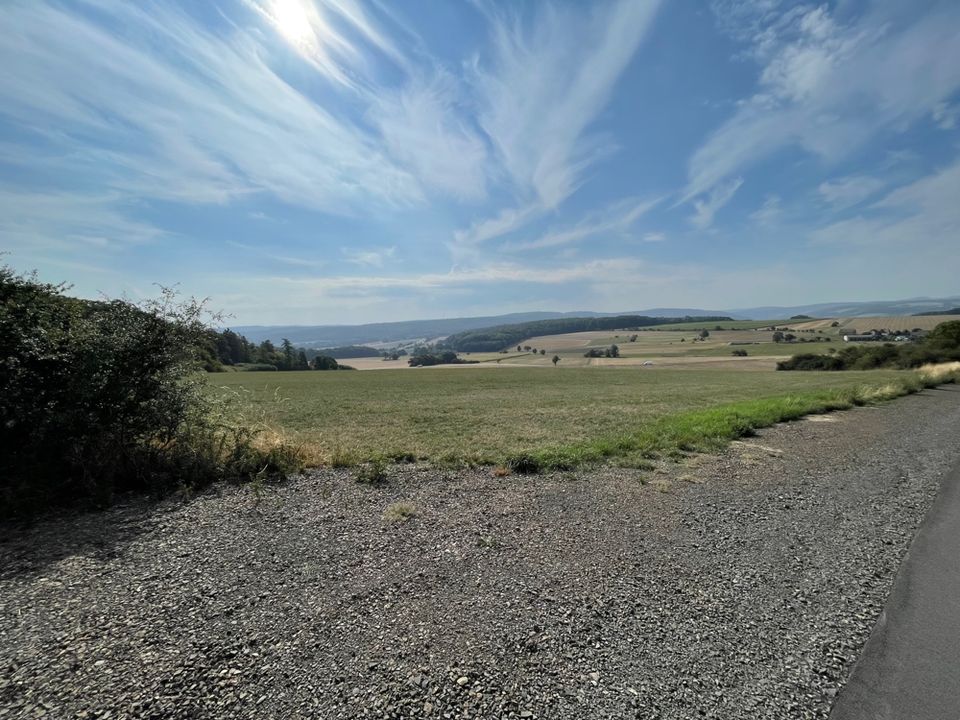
<point>225,348</point>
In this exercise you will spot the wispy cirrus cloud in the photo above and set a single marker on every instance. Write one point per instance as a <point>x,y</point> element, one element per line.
<point>61,221</point>
<point>321,33</point>
<point>768,213</point>
<point>901,67</point>
<point>169,99</point>
<point>539,94</point>
<point>370,257</point>
<point>924,211</point>
<point>423,131</point>
<point>705,208</point>
<point>946,116</point>
<point>851,190</point>
<point>503,223</point>
<point>616,219</point>
<point>605,270</point>
<point>549,81</point>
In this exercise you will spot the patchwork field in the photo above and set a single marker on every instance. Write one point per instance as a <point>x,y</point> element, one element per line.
<point>667,348</point>
<point>893,322</point>
<point>486,413</point>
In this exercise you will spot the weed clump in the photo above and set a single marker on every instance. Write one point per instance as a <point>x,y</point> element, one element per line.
<point>524,464</point>
<point>373,472</point>
<point>400,512</point>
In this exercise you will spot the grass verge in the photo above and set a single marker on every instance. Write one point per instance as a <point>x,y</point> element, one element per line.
<point>710,430</point>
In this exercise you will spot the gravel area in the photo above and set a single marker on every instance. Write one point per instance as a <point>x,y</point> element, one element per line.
<point>734,586</point>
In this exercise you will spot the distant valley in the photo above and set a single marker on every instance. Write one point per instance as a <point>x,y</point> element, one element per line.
<point>390,333</point>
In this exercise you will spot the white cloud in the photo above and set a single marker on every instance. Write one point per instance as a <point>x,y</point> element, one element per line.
<point>612,270</point>
<point>654,237</point>
<point>829,88</point>
<point>946,116</point>
<point>505,222</point>
<point>72,223</point>
<point>617,218</point>
<point>320,33</point>
<point>848,191</point>
<point>369,257</point>
<point>167,101</point>
<point>421,131</point>
<point>768,213</point>
<point>548,83</point>
<point>705,209</point>
<point>923,215</point>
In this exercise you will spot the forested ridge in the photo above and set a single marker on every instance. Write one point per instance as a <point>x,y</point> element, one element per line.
<point>496,338</point>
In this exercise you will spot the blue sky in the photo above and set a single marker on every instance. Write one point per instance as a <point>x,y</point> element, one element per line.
<point>339,161</point>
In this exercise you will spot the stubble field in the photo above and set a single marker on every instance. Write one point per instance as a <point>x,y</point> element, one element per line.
<point>487,413</point>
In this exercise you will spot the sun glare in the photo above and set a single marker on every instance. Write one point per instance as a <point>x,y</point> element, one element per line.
<point>292,20</point>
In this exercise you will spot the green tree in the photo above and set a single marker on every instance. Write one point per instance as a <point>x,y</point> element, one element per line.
<point>287,362</point>
<point>555,360</point>
<point>302,363</point>
<point>324,362</point>
<point>704,334</point>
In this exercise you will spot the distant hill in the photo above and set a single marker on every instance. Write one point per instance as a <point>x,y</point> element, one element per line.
<point>411,330</point>
<point>342,335</point>
<point>954,311</point>
<point>347,351</point>
<point>887,308</point>
<point>503,336</point>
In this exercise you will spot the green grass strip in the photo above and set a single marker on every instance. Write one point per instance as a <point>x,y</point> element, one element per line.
<point>711,429</point>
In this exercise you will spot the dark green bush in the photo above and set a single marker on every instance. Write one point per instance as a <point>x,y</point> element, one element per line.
<point>941,345</point>
<point>810,361</point>
<point>102,397</point>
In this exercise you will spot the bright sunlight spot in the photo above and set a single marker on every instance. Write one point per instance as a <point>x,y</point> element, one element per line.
<point>292,20</point>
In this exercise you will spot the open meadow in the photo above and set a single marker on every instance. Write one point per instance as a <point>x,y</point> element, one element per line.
<point>487,413</point>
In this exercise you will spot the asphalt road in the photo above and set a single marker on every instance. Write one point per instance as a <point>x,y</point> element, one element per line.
<point>910,667</point>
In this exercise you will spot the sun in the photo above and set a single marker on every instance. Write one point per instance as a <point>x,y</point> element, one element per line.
<point>292,20</point>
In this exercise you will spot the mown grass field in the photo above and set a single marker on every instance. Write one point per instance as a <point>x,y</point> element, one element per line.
<point>486,414</point>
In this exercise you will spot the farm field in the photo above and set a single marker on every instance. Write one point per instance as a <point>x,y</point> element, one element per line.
<point>862,324</point>
<point>486,413</point>
<point>661,345</point>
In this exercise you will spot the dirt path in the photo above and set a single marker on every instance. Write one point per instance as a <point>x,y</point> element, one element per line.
<point>737,586</point>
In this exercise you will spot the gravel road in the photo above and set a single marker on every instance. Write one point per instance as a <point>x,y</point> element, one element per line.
<point>734,586</point>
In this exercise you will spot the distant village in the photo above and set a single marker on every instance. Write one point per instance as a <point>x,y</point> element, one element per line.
<point>851,335</point>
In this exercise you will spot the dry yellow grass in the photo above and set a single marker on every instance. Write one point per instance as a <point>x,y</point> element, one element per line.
<point>400,512</point>
<point>940,372</point>
<point>374,363</point>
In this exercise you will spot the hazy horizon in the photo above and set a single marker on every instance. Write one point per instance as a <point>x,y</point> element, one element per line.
<point>343,162</point>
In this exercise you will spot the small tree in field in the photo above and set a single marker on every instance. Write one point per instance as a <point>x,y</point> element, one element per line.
<point>704,334</point>
<point>542,351</point>
<point>555,360</point>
